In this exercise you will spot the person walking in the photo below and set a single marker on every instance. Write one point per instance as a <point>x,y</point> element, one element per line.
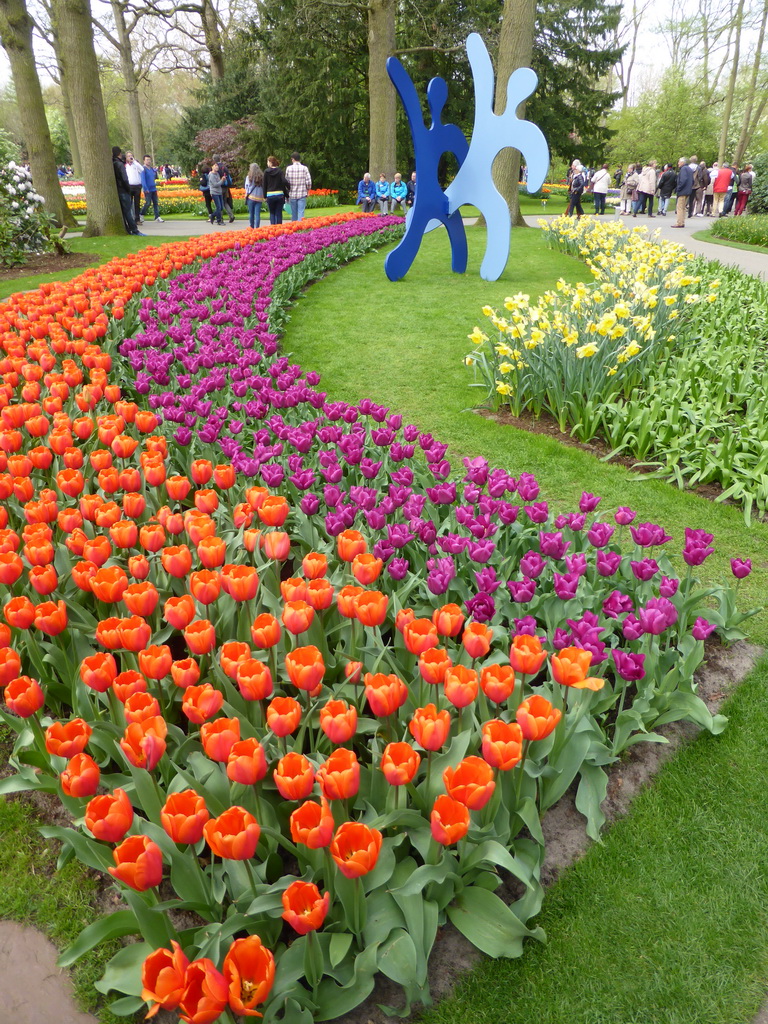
<point>700,182</point>
<point>730,195</point>
<point>382,194</point>
<point>646,189</point>
<point>226,185</point>
<point>575,191</point>
<point>204,170</point>
<point>299,183</point>
<point>746,181</point>
<point>601,181</point>
<point>216,187</point>
<point>627,189</point>
<point>709,194</point>
<point>683,188</point>
<point>398,193</point>
<point>275,189</point>
<point>720,187</point>
<point>366,193</point>
<point>133,170</point>
<point>124,192</point>
<point>667,183</point>
<point>149,187</point>
<point>254,194</point>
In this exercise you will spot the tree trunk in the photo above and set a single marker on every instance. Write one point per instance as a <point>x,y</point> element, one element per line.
<point>213,40</point>
<point>16,37</point>
<point>515,51</point>
<point>131,83</point>
<point>77,166</point>
<point>731,87</point>
<point>748,125</point>
<point>74,41</point>
<point>381,93</point>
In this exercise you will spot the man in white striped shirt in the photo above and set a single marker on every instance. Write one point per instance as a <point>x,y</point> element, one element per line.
<point>300,182</point>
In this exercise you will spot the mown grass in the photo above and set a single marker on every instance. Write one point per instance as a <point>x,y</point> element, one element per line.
<point>355,324</point>
<point>712,238</point>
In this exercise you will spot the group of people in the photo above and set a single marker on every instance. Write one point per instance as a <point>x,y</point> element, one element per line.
<point>275,186</point>
<point>391,197</point>
<point>132,178</point>
<point>700,191</point>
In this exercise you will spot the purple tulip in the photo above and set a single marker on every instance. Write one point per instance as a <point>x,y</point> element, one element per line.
<point>599,534</point>
<point>526,626</point>
<point>617,604</point>
<point>702,629</point>
<point>522,591</point>
<point>649,535</point>
<point>631,628</point>
<point>566,585</point>
<point>624,516</point>
<point>629,666</point>
<point>608,562</point>
<point>588,502</point>
<point>645,570</point>
<point>741,567</point>
<point>668,586</point>
<point>532,565</point>
<point>552,545</point>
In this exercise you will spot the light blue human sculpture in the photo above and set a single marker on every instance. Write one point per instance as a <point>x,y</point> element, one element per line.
<point>430,206</point>
<point>492,133</point>
<point>473,182</point>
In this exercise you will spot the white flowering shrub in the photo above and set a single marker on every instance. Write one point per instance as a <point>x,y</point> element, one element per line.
<point>25,227</point>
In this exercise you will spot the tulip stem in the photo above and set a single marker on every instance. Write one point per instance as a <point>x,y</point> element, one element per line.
<point>521,769</point>
<point>249,872</point>
<point>330,868</point>
<point>39,735</point>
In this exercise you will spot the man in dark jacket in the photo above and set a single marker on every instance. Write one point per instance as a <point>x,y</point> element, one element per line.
<point>683,189</point>
<point>124,192</point>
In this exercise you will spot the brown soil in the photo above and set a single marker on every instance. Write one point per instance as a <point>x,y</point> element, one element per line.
<point>50,263</point>
<point>563,827</point>
<point>547,425</point>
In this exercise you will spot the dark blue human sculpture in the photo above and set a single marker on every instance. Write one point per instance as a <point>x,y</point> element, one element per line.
<point>430,203</point>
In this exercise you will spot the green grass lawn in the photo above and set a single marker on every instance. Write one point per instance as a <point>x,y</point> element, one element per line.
<point>709,236</point>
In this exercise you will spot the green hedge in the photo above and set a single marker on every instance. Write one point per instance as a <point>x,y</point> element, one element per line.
<point>759,201</point>
<point>751,229</point>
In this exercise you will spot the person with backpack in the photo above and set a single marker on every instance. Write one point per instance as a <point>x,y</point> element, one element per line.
<point>667,183</point>
<point>576,190</point>
<point>204,170</point>
<point>700,182</point>
<point>276,190</point>
<point>226,185</point>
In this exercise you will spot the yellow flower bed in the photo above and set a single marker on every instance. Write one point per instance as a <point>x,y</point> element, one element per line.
<point>581,344</point>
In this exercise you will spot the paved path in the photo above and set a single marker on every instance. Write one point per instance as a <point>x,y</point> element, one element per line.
<point>755,263</point>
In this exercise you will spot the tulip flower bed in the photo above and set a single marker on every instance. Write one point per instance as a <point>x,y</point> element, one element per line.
<point>304,695</point>
<point>606,359</point>
<point>190,200</point>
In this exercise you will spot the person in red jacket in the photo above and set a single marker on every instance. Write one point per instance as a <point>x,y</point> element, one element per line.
<point>721,186</point>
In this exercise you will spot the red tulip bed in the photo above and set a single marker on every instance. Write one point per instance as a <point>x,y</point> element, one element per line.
<point>304,688</point>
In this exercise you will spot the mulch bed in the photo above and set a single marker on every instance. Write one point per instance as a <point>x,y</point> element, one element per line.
<point>50,263</point>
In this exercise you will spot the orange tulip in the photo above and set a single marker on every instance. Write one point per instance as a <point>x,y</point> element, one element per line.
<point>183,816</point>
<point>293,589</point>
<point>294,777</point>
<point>314,565</point>
<point>140,706</point>
<point>138,863</point>
<point>141,598</point>
<point>218,737</point>
<point>477,639</point>
<point>127,683</point>
<point>265,631</point>
<point>155,661</point>
<point>338,721</point>
<point>179,611</point>
<point>312,824</point>
<point>339,776</point>
<point>108,817</point>
<point>138,567</point>
<point>502,744</point>
<point>247,762</point>
<point>399,763</point>
<point>526,655</point>
<point>497,682</point>
<point>570,665</point>
<point>143,743</point>
<point>254,680</point>
<point>283,715</point>
<point>152,537</point>
<point>177,560</point>
<point>355,848</point>
<point>320,594</point>
<point>234,835</point>
<point>205,586</point>
<point>10,662</point>
<point>201,703</point>
<point>371,607</point>
<point>448,620</point>
<point>200,636</point>
<point>385,694</point>
<point>185,673</point>
<point>24,696</point>
<point>19,612</point>
<point>350,544</point>
<point>273,510</point>
<point>65,739</point>
<point>177,487</point>
<point>419,635</point>
<point>460,685</point>
<point>51,618</point>
<point>430,727</point>
<point>81,777</point>
<point>108,584</point>
<point>11,568</point>
<point>305,667</point>
<point>346,601</point>
<point>471,782</point>
<point>241,582</point>
<point>205,992</point>
<point>162,978</point>
<point>449,820</point>
<point>366,568</point>
<point>303,907</point>
<point>224,476</point>
<point>232,654</point>
<point>277,545</point>
<point>98,671</point>
<point>249,970</point>
<point>433,664</point>
<point>297,616</point>
<point>134,633</point>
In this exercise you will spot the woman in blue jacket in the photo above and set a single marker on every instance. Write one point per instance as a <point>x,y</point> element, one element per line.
<point>382,194</point>
<point>366,193</point>
<point>398,191</point>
